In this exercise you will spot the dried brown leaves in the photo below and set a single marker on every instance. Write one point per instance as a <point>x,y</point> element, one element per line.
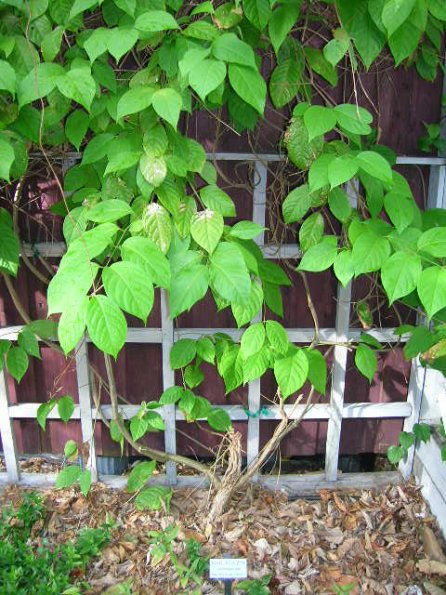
<point>382,543</point>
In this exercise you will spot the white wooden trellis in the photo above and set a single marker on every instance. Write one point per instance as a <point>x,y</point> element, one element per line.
<point>335,411</point>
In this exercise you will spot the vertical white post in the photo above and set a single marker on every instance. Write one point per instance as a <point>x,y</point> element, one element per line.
<point>170,438</point>
<point>418,374</point>
<point>7,432</point>
<point>85,405</point>
<point>339,367</point>
<point>259,217</point>
<point>338,383</point>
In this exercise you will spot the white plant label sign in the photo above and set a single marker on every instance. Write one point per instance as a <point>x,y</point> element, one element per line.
<point>228,568</point>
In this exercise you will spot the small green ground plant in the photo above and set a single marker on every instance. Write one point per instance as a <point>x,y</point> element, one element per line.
<point>255,586</point>
<point>190,569</point>
<point>29,564</point>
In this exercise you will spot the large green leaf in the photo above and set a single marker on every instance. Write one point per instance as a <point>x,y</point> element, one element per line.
<point>108,211</point>
<point>192,59</point>
<point>97,148</point>
<point>206,349</point>
<point>65,408</point>
<point>39,82</point>
<point>168,103</point>
<point>281,22</point>
<point>106,325</point>
<point>27,340</point>
<point>139,475</point>
<point>252,340</point>
<point>370,252</point>
<point>158,226</point>
<point>146,253</point>
<point>7,77</point>
<point>395,12</point>
<point>97,43</point>
<point>244,313</point>
<point>80,6</point>
<point>130,288</point>
<point>400,210</point>
<point>246,230</point>
<point>437,8</point>
<point>219,420</point>
<point>318,174</point>
<point>182,353</point>
<point>201,30</point>
<point>336,49</point>
<point>79,85</point>
<point>291,372</point>
<point>356,19</point>
<point>121,40</point>
<point>153,169</point>
<point>319,120</point>
<point>134,100</point>
<point>285,82</point>
<point>400,274</point>
<point>78,277</point>
<point>207,228</point>
<point>353,118</point>
<point>258,12</point>
<point>339,205</point>
<point>432,289</point>
<point>216,199</point>
<point>249,85</point>
<point>343,267</point>
<point>153,498</point>
<point>301,152</point>
<point>321,256</point>
<point>206,76</point>
<point>311,231</point>
<point>76,127</point>
<point>9,243</point>
<point>342,169</point>
<point>433,241</point>
<point>365,361</point>
<point>229,48</point>
<point>404,41</point>
<point>43,411</point>
<point>317,372</point>
<point>317,62</point>
<point>152,21</point>
<point>375,165</point>
<point>229,275</point>
<point>72,324</point>
<point>188,287</point>
<point>277,336</point>
<point>68,477</point>
<point>17,361</point>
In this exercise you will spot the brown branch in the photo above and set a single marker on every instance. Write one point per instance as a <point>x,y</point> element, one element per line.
<point>157,455</point>
<point>23,313</point>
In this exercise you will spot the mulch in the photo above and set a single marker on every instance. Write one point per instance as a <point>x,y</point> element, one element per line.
<point>355,542</point>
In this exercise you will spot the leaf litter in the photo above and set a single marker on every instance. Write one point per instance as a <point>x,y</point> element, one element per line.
<point>360,542</point>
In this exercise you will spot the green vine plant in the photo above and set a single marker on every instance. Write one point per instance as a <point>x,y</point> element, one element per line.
<point>115,81</point>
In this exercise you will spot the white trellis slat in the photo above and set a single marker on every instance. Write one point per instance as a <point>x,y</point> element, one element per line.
<point>436,199</point>
<point>343,307</point>
<point>319,411</point>
<point>170,438</point>
<point>338,383</point>
<point>7,432</point>
<point>259,216</point>
<point>85,406</point>
<point>295,335</point>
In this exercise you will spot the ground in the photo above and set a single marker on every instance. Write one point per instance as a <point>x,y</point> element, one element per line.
<point>356,542</point>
